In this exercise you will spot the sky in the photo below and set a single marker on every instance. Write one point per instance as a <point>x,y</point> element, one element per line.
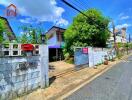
<point>47,13</point>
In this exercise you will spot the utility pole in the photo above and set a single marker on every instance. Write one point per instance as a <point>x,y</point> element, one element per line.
<point>129,38</point>
<point>114,35</point>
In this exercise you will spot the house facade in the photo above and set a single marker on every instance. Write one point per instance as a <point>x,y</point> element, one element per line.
<point>55,43</point>
<point>120,36</point>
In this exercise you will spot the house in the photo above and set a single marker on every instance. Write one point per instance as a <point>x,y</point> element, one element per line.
<point>120,36</point>
<point>7,26</point>
<point>56,43</point>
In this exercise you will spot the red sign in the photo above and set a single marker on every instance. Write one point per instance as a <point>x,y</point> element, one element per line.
<point>27,47</point>
<point>11,10</point>
<point>85,50</point>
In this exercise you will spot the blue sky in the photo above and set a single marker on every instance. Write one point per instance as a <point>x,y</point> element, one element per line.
<point>55,12</point>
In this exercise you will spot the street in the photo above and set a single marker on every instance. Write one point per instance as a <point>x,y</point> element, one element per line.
<point>115,84</point>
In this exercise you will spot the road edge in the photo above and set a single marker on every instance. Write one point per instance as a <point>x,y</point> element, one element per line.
<point>96,75</point>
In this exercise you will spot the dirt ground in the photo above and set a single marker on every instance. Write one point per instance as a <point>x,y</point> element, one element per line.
<point>59,67</point>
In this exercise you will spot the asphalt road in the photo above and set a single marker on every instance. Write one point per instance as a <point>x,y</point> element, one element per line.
<point>115,84</point>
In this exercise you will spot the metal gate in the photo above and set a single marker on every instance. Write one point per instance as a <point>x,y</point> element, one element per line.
<point>81,56</point>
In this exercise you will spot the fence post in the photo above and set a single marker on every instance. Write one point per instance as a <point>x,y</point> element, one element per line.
<point>91,56</point>
<point>44,65</point>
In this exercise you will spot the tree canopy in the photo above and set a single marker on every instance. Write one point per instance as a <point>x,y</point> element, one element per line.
<point>31,35</point>
<point>1,33</point>
<point>4,30</point>
<point>90,30</point>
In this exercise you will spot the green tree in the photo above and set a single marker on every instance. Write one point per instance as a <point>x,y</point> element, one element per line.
<point>2,30</point>
<point>1,37</point>
<point>1,33</point>
<point>87,31</point>
<point>24,39</point>
<point>5,34</point>
<point>31,34</point>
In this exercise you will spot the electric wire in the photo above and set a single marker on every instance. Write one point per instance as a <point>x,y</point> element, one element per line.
<point>72,6</point>
<point>82,4</point>
<point>77,5</point>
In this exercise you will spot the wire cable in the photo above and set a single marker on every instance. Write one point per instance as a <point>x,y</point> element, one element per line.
<point>77,5</point>
<point>82,4</point>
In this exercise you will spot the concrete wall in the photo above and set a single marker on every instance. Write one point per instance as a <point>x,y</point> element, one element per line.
<point>94,56</point>
<point>19,75</point>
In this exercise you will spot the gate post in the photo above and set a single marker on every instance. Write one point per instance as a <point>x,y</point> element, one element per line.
<point>91,57</point>
<point>44,65</point>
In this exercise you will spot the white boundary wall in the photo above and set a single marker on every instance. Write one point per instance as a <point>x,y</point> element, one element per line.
<point>94,56</point>
<point>23,74</point>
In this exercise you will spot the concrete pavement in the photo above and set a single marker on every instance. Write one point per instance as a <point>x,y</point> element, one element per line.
<point>115,84</point>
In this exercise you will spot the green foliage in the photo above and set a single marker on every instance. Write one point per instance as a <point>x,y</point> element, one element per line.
<point>70,60</point>
<point>39,38</point>
<point>124,45</point>
<point>24,38</point>
<point>87,31</point>
<point>119,54</point>
<point>67,56</point>
<point>120,45</point>
<point>130,45</point>
<point>31,35</point>
<point>2,29</point>
<point>1,33</point>
<point>6,42</point>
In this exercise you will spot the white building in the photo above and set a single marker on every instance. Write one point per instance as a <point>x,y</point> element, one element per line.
<point>120,36</point>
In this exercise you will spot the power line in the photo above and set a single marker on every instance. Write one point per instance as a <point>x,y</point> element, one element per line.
<point>77,5</point>
<point>86,3</point>
<point>74,7</point>
<point>83,4</point>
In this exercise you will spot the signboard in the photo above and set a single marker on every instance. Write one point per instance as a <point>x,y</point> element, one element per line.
<point>27,47</point>
<point>85,50</point>
<point>11,11</point>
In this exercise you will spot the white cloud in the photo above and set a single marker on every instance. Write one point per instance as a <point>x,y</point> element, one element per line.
<point>42,10</point>
<point>123,25</point>
<point>125,14</point>
<point>111,29</point>
<point>124,17</point>
<point>61,22</point>
<point>24,33</point>
<point>21,33</point>
<point>28,20</point>
<point>121,14</point>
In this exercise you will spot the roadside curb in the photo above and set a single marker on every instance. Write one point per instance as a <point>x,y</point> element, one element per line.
<point>68,92</point>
